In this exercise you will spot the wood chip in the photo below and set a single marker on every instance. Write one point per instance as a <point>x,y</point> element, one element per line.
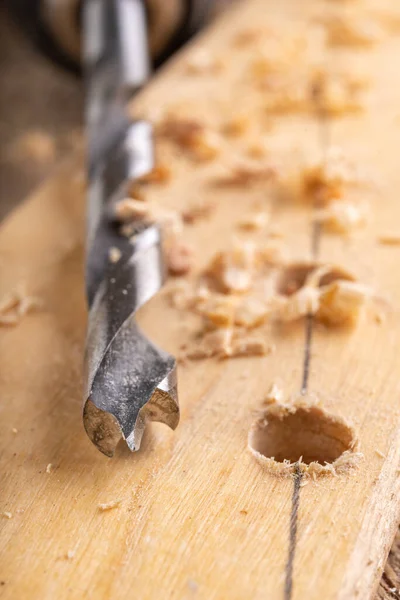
<point>247,173</point>
<point>202,61</point>
<point>49,468</point>
<point>193,136</point>
<point>15,305</point>
<point>353,32</point>
<point>254,222</point>
<point>6,514</point>
<point>197,211</point>
<point>389,239</point>
<point>178,257</point>
<point>342,217</point>
<point>129,209</point>
<point>114,254</point>
<point>109,505</point>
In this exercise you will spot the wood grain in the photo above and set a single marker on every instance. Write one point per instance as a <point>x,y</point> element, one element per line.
<point>198,517</point>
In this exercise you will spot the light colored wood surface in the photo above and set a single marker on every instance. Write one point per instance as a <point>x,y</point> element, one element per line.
<point>199,517</point>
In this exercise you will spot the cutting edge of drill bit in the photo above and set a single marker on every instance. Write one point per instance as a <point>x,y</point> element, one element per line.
<point>130,380</point>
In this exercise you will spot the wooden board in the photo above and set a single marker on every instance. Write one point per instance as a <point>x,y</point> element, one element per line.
<point>198,515</point>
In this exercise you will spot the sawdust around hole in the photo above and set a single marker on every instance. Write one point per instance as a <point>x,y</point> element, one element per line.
<point>303,434</point>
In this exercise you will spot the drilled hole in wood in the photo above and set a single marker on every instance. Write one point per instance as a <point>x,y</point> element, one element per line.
<point>306,433</point>
<point>293,277</point>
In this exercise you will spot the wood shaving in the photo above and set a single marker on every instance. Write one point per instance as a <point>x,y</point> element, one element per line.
<point>248,37</point>
<point>342,217</point>
<point>109,505</point>
<point>257,149</point>
<point>202,61</point>
<point>114,254</point>
<point>218,309</point>
<point>36,145</point>
<point>389,239</point>
<point>15,305</point>
<point>200,142</point>
<point>251,312</point>
<point>351,32</point>
<point>380,454</point>
<point>327,292</point>
<point>49,468</point>
<point>255,222</point>
<point>237,125</point>
<point>6,514</point>
<point>250,346</point>
<point>178,257</point>
<point>225,343</point>
<point>160,174</point>
<point>197,211</point>
<point>340,303</point>
<point>233,270</point>
<point>275,395</point>
<point>129,209</point>
<point>328,181</point>
<point>247,173</point>
<point>338,93</point>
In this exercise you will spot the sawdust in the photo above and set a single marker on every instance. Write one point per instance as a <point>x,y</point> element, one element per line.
<point>7,514</point>
<point>305,436</point>
<point>49,468</point>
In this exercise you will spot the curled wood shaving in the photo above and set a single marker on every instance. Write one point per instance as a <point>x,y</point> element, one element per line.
<point>190,135</point>
<point>336,302</point>
<point>342,217</point>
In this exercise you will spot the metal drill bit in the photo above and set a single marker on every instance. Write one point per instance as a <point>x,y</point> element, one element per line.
<point>129,379</point>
